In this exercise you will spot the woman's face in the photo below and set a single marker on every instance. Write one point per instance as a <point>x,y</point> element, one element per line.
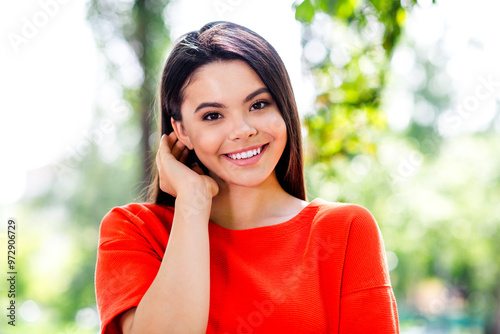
<point>231,121</point>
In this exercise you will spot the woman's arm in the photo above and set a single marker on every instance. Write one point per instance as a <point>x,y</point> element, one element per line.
<point>178,299</point>
<point>367,300</point>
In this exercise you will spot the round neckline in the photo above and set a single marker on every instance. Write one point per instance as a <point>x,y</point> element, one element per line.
<point>289,225</point>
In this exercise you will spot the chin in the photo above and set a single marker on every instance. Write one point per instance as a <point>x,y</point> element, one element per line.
<point>226,180</point>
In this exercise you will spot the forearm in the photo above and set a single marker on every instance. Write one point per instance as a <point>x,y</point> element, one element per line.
<point>178,299</point>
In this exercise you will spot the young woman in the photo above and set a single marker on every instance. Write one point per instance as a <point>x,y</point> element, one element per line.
<point>229,244</point>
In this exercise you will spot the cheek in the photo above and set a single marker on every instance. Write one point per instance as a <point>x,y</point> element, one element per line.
<point>277,126</point>
<point>206,144</point>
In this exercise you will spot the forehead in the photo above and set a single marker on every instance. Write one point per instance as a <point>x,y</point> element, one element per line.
<point>223,80</point>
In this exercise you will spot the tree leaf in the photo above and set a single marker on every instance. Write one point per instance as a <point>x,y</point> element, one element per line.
<point>304,12</point>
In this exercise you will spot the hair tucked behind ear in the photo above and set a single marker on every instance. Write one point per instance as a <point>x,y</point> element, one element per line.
<point>228,41</point>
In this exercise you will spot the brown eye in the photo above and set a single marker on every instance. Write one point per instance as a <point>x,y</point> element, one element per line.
<point>259,105</point>
<point>211,116</point>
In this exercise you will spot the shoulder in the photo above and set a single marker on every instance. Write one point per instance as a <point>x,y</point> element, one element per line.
<point>352,220</point>
<point>135,217</point>
<point>348,212</point>
<point>138,211</point>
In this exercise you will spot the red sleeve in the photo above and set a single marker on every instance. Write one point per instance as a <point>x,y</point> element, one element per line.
<point>367,300</point>
<point>132,240</point>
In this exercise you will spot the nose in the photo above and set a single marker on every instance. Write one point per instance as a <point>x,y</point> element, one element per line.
<point>242,128</point>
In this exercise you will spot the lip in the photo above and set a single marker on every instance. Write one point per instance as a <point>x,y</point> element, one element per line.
<point>251,148</point>
<point>248,161</point>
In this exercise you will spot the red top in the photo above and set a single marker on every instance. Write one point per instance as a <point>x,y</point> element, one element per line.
<point>323,271</point>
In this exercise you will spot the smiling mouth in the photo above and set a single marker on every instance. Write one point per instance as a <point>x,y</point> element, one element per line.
<point>247,154</point>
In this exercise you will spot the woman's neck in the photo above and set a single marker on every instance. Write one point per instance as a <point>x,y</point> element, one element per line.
<point>236,207</point>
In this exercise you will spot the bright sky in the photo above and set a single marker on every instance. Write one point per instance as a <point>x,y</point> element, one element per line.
<point>462,41</point>
<point>51,71</point>
<point>47,86</point>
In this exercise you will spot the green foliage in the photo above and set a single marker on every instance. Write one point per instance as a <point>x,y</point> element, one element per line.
<point>434,198</point>
<point>350,78</point>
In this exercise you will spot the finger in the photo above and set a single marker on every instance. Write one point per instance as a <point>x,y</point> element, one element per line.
<point>195,167</point>
<point>164,140</point>
<point>158,159</point>
<point>184,155</point>
<point>177,149</point>
<point>163,159</point>
<point>171,138</point>
<point>163,148</point>
<point>213,186</point>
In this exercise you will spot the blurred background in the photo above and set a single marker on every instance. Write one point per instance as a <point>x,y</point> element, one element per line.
<point>400,106</point>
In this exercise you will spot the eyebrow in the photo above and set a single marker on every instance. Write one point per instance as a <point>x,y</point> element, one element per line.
<point>254,94</point>
<point>209,104</point>
<point>220,105</point>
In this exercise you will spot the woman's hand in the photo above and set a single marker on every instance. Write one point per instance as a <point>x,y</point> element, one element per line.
<point>178,300</point>
<point>175,176</point>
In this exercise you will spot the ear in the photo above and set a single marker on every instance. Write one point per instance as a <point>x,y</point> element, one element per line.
<point>180,132</point>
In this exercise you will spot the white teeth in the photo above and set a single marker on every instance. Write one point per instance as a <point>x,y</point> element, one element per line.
<point>244,155</point>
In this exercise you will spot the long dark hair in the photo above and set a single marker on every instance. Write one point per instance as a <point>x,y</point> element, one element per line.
<point>228,41</point>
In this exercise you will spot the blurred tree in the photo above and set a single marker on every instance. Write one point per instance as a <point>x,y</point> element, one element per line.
<point>102,171</point>
<point>140,25</point>
<point>348,45</point>
<point>426,205</point>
